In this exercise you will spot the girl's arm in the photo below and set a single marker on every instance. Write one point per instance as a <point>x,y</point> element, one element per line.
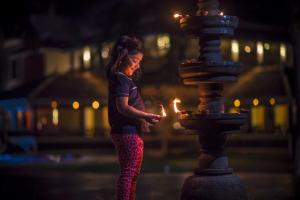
<point>129,111</point>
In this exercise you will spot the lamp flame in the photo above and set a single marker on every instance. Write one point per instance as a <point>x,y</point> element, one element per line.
<point>163,112</point>
<point>177,15</point>
<point>175,101</point>
<point>221,13</point>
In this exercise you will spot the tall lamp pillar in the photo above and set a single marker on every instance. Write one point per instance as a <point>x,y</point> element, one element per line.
<point>213,179</point>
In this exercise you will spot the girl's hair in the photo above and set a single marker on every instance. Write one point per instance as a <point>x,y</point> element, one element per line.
<point>124,46</point>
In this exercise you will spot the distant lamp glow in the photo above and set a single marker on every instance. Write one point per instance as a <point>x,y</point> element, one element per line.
<point>86,54</point>
<point>163,44</point>
<point>221,13</point>
<point>282,52</point>
<point>272,101</point>
<point>55,116</point>
<point>237,103</point>
<point>234,46</point>
<point>75,105</point>
<point>235,50</point>
<point>105,52</point>
<point>267,46</point>
<point>163,41</point>
<point>260,52</point>
<point>255,102</point>
<point>95,105</point>
<point>247,49</point>
<point>54,104</point>
<point>260,49</point>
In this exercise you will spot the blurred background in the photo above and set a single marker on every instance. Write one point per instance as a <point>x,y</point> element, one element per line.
<point>54,131</point>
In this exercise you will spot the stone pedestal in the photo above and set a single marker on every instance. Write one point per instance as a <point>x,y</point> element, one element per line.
<point>213,179</point>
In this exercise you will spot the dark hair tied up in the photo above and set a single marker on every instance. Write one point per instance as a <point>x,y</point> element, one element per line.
<point>124,46</point>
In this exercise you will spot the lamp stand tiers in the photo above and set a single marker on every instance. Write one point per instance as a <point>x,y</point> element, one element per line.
<point>213,179</point>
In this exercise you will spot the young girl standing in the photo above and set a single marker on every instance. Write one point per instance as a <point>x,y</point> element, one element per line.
<point>127,116</point>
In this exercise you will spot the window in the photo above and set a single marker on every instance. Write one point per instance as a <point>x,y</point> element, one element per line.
<point>235,50</point>
<point>55,116</point>
<point>87,57</point>
<point>260,52</point>
<point>163,44</point>
<point>157,45</point>
<point>258,117</point>
<point>282,52</point>
<point>106,51</point>
<point>281,116</point>
<point>89,122</point>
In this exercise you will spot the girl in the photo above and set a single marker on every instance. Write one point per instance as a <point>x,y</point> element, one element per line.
<point>127,116</point>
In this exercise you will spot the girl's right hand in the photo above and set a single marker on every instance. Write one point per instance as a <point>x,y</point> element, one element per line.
<point>152,118</point>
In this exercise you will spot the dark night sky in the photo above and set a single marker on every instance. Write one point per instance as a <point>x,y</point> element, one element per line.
<point>14,15</point>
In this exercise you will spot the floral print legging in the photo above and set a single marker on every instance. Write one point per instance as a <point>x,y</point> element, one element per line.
<point>130,148</point>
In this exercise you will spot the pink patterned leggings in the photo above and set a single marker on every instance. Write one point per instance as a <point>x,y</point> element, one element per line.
<point>130,148</point>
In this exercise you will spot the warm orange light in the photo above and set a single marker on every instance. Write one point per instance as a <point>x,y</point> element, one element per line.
<point>221,14</point>
<point>175,101</point>
<point>177,15</point>
<point>255,102</point>
<point>75,105</point>
<point>247,49</point>
<point>87,54</point>
<point>236,103</point>
<point>95,105</point>
<point>163,112</point>
<point>272,101</point>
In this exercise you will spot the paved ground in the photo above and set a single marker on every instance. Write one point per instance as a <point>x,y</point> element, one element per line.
<point>151,186</point>
<point>80,175</point>
<point>93,177</point>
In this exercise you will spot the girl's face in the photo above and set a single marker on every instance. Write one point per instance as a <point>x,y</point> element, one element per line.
<point>132,64</point>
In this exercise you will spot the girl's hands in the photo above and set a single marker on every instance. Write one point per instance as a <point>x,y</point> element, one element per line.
<point>152,118</point>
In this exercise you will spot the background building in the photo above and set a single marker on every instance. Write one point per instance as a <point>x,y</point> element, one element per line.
<point>53,79</point>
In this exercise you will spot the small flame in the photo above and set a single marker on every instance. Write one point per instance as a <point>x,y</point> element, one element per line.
<point>163,112</point>
<point>177,15</point>
<point>221,14</point>
<point>175,101</point>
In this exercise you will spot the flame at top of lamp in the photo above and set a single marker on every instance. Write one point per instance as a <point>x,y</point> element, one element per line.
<point>175,101</point>
<point>163,112</point>
<point>177,15</point>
